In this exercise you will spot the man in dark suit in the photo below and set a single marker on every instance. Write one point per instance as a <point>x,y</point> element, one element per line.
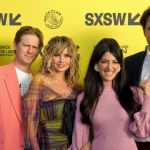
<point>138,67</point>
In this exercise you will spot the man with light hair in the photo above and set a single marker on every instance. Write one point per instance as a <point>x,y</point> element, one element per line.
<point>14,81</point>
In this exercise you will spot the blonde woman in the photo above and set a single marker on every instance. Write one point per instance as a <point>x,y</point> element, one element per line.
<point>56,83</point>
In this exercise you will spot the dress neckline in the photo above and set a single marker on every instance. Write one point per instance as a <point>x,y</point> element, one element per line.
<point>60,95</point>
<point>108,87</point>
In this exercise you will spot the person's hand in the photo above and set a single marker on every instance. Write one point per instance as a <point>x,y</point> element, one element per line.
<point>87,146</point>
<point>145,86</point>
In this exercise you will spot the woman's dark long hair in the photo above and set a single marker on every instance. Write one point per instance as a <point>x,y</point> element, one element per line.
<point>93,84</point>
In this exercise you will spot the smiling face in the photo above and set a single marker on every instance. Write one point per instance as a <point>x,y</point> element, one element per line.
<point>108,67</point>
<point>61,61</point>
<point>26,50</point>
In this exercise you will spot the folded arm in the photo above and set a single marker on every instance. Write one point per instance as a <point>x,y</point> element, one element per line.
<point>140,126</point>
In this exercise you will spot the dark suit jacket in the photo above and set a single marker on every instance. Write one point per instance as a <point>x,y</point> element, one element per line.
<point>134,65</point>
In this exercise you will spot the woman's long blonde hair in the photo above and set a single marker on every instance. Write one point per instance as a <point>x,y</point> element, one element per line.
<point>57,45</point>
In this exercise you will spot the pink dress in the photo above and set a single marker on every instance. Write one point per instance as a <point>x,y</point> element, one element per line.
<point>113,129</point>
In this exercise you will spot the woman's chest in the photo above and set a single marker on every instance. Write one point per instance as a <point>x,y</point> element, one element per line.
<point>109,112</point>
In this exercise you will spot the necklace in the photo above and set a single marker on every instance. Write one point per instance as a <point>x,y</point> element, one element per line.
<point>65,89</point>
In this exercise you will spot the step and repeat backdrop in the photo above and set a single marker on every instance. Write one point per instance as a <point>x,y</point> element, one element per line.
<point>85,21</point>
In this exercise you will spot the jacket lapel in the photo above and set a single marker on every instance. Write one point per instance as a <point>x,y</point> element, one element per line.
<point>12,85</point>
<point>138,67</point>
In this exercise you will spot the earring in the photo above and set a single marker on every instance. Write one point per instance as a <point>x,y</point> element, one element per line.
<point>96,68</point>
<point>119,68</point>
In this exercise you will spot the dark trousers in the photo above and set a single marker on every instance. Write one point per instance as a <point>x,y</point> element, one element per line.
<point>143,145</point>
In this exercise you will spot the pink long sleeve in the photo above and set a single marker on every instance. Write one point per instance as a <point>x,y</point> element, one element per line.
<point>141,124</point>
<point>81,131</point>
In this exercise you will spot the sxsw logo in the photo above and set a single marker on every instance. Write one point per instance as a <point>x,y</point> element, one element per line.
<point>107,19</point>
<point>9,19</point>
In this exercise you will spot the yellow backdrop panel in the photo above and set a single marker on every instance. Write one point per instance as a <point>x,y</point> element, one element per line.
<point>86,22</point>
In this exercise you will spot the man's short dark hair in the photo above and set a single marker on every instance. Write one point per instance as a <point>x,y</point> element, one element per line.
<point>144,17</point>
